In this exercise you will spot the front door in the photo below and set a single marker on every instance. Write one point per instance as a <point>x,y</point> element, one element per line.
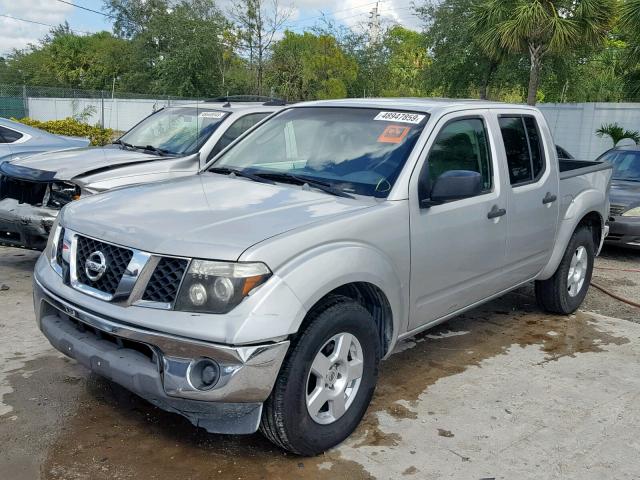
<point>457,248</point>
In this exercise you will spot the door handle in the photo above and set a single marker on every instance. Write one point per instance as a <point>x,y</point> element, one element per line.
<point>549,198</point>
<point>496,213</point>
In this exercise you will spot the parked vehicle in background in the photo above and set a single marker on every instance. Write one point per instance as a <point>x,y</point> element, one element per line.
<point>563,154</point>
<point>172,142</point>
<point>19,140</point>
<point>624,221</point>
<point>263,292</point>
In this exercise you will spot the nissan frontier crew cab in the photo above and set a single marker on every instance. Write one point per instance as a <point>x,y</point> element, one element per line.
<point>263,292</point>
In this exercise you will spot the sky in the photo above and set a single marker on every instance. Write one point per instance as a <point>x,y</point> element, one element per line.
<point>17,34</point>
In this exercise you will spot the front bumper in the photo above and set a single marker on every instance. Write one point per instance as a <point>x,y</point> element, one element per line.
<point>23,225</point>
<point>624,231</point>
<point>157,366</point>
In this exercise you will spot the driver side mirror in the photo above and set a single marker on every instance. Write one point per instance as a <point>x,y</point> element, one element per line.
<point>453,185</point>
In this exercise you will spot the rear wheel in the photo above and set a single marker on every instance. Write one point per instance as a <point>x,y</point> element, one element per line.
<point>327,380</point>
<point>565,291</point>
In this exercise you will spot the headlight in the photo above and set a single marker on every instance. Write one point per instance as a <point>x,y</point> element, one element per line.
<point>634,212</point>
<point>60,193</point>
<point>217,287</point>
<point>52,241</point>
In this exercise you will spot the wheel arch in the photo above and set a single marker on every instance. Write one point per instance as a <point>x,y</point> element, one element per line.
<point>374,300</point>
<point>592,219</point>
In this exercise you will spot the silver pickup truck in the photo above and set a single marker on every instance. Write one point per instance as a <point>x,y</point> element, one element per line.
<point>172,142</point>
<point>263,292</point>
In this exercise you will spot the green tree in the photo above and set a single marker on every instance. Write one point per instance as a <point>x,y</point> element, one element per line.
<point>177,47</point>
<point>308,66</point>
<point>406,59</point>
<point>460,66</point>
<point>258,22</point>
<point>540,28</point>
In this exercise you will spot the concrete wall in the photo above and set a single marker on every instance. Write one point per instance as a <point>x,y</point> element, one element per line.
<point>574,124</point>
<point>119,114</point>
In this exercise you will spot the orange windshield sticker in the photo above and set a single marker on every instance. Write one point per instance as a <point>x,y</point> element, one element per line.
<point>393,134</point>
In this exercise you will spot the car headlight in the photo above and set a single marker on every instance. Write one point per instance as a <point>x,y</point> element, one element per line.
<point>60,193</point>
<point>54,233</point>
<point>217,287</point>
<point>634,212</point>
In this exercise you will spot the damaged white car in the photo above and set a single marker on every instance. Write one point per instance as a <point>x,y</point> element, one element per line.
<point>172,142</point>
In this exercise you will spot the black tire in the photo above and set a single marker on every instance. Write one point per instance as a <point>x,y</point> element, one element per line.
<point>552,294</point>
<point>285,418</point>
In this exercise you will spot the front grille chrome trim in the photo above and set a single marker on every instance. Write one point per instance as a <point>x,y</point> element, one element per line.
<point>127,281</point>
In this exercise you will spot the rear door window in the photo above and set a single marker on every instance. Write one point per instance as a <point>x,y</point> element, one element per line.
<point>523,146</point>
<point>9,136</point>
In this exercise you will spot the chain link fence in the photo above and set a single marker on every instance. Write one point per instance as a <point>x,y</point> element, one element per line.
<point>116,110</point>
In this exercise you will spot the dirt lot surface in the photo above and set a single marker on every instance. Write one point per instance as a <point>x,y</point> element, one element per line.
<point>503,392</point>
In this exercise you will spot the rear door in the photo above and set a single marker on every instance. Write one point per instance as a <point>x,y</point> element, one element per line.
<point>532,194</point>
<point>457,248</point>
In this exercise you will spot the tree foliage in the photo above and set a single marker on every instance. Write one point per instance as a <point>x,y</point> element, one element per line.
<point>617,133</point>
<point>509,50</point>
<point>539,28</point>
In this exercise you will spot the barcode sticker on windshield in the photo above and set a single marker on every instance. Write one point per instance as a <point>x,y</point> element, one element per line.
<point>211,114</point>
<point>400,117</point>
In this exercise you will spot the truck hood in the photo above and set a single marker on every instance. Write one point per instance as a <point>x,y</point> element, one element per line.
<point>624,193</point>
<point>69,164</point>
<point>206,216</point>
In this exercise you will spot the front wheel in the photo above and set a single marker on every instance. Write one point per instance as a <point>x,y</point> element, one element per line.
<point>565,291</point>
<point>327,380</point>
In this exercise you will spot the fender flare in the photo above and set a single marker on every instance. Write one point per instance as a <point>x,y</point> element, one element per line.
<point>585,203</point>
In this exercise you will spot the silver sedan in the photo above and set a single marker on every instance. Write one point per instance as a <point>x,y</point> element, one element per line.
<point>17,139</point>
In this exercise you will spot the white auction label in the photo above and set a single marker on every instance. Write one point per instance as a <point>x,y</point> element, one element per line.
<point>402,117</point>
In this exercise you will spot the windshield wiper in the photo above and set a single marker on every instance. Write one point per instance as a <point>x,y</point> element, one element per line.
<point>240,173</point>
<point>151,148</point>
<point>124,144</point>
<point>301,180</point>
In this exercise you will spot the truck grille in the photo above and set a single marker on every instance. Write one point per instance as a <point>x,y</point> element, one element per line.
<point>617,210</point>
<point>23,191</point>
<point>165,281</point>
<point>117,260</point>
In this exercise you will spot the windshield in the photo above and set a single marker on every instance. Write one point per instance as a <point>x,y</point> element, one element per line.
<point>626,164</point>
<point>355,150</point>
<point>175,130</point>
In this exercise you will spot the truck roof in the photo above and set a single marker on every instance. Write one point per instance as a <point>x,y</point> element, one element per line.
<point>232,107</point>
<point>427,105</point>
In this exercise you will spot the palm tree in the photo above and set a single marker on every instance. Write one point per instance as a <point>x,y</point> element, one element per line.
<point>617,133</point>
<point>630,23</point>
<point>539,27</point>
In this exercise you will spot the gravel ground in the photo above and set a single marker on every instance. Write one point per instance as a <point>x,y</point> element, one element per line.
<point>504,391</point>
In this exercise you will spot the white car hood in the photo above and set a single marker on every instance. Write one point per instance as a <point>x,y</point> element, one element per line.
<point>69,164</point>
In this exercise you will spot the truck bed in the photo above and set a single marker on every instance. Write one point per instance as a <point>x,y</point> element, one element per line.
<point>575,168</point>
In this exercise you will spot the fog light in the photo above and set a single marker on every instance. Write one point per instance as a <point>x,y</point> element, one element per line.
<point>204,374</point>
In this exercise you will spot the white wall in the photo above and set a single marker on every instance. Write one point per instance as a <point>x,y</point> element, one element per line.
<point>574,124</point>
<point>119,114</point>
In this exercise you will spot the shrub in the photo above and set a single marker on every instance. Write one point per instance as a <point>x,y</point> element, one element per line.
<point>72,128</point>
